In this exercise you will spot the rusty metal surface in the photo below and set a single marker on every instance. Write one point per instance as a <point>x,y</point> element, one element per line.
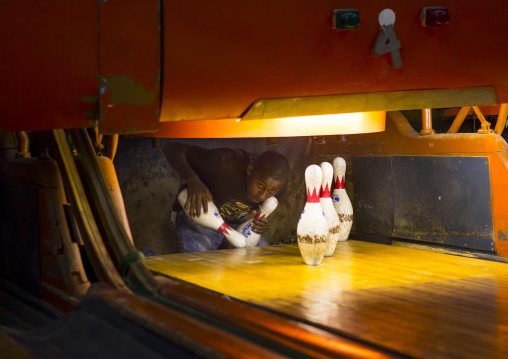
<point>443,200</point>
<point>373,197</point>
<point>101,262</point>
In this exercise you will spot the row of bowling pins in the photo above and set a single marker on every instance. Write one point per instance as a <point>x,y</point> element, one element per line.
<point>327,217</point>
<point>243,236</point>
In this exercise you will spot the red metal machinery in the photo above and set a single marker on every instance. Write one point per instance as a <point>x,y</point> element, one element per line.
<point>132,65</point>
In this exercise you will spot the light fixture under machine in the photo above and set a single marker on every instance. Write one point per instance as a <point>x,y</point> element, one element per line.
<point>316,125</point>
<point>341,114</point>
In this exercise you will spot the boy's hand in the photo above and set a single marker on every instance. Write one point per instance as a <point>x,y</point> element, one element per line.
<point>198,196</point>
<point>261,225</point>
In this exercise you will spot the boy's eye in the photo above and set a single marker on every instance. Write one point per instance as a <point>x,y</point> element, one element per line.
<point>273,191</point>
<point>260,185</point>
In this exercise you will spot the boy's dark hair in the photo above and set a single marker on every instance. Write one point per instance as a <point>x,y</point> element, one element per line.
<point>273,164</point>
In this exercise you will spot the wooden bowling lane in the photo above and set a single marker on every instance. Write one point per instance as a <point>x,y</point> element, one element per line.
<point>423,304</point>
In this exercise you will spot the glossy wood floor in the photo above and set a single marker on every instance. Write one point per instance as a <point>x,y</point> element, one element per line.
<point>420,303</point>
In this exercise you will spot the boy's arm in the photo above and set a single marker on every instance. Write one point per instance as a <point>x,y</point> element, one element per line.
<point>197,192</point>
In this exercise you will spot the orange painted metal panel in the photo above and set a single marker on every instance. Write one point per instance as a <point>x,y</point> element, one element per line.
<point>220,56</point>
<point>49,52</point>
<point>400,138</point>
<point>486,110</point>
<point>130,65</point>
<point>499,177</point>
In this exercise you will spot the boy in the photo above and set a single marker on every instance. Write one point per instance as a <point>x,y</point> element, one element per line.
<point>236,181</point>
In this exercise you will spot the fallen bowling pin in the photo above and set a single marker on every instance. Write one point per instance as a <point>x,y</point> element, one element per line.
<point>214,220</point>
<point>325,198</point>
<point>312,229</point>
<point>245,228</point>
<point>341,200</point>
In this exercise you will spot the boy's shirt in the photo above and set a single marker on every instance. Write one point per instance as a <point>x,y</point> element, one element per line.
<point>223,171</point>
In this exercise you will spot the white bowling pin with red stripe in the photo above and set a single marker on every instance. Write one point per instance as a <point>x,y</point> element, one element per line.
<point>341,200</point>
<point>312,229</point>
<point>325,198</point>
<point>245,228</point>
<point>214,220</point>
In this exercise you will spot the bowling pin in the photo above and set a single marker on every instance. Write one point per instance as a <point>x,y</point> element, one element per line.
<point>214,220</point>
<point>245,228</point>
<point>312,229</point>
<point>325,198</point>
<point>341,200</point>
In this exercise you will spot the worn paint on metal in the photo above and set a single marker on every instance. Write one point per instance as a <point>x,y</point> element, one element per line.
<point>129,66</point>
<point>92,114</point>
<point>502,236</point>
<point>437,199</point>
<point>443,199</point>
<point>90,99</point>
<point>125,90</point>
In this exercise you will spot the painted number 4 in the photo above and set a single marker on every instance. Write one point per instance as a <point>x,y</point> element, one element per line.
<point>387,41</point>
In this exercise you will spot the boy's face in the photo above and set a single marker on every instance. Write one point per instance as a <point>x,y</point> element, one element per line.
<point>261,186</point>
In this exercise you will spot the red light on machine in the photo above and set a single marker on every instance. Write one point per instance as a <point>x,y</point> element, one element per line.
<point>435,16</point>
